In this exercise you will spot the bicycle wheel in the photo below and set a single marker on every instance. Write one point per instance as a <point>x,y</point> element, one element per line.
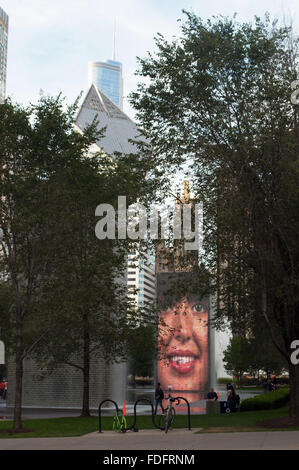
<point>169,419</point>
<point>123,424</point>
<point>119,423</point>
<point>162,419</point>
<point>115,424</point>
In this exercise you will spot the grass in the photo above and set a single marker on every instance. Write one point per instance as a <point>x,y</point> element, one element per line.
<point>70,427</point>
<point>244,421</point>
<point>250,388</point>
<point>52,427</point>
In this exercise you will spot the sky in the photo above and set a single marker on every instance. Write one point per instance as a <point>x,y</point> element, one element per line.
<point>51,41</point>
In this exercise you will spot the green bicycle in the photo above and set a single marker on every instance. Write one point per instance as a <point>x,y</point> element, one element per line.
<point>119,422</point>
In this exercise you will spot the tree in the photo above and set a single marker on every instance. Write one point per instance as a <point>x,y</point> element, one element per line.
<point>36,143</point>
<point>253,355</point>
<point>263,355</point>
<point>236,358</point>
<point>219,97</point>
<point>5,323</point>
<point>142,350</point>
<point>84,284</point>
<point>62,278</point>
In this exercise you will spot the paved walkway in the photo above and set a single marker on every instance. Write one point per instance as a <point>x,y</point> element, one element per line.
<point>176,439</point>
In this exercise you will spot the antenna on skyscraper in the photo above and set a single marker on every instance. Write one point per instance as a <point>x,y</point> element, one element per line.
<point>113,49</point>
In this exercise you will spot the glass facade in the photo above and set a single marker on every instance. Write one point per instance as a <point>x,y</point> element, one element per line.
<point>3,52</point>
<point>107,76</point>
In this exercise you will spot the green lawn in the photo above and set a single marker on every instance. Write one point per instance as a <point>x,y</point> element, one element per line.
<point>243,421</point>
<point>250,389</point>
<point>67,427</point>
<point>258,388</point>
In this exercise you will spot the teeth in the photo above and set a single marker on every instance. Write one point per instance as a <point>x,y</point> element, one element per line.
<point>182,359</point>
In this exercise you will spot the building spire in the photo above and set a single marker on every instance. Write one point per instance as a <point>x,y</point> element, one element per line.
<point>113,48</point>
<point>186,192</point>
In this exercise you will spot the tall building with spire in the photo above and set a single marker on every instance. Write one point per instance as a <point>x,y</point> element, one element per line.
<point>107,77</point>
<point>3,52</point>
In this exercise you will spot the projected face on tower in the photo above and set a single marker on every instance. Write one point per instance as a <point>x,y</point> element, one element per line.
<point>183,345</point>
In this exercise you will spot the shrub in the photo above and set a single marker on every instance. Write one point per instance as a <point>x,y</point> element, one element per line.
<point>248,381</point>
<point>225,380</point>
<point>284,380</point>
<point>266,401</point>
<point>144,381</point>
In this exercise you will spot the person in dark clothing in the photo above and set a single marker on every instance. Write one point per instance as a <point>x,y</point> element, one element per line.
<point>265,385</point>
<point>212,395</point>
<point>233,397</point>
<point>159,395</point>
<point>231,394</point>
<point>270,385</point>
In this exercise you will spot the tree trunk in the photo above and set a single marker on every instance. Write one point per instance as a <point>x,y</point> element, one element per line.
<point>17,423</point>
<point>86,368</point>
<point>294,390</point>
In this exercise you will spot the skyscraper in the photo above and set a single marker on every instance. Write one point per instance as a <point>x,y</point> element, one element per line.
<point>141,279</point>
<point>107,76</point>
<point>3,52</point>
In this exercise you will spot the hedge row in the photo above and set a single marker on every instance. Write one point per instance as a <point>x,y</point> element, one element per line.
<point>266,401</point>
<point>244,381</point>
<point>252,381</point>
<point>225,380</point>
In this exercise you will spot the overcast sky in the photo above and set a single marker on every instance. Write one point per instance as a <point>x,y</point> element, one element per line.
<point>51,41</point>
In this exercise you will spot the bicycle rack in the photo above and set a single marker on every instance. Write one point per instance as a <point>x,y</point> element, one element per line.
<point>188,405</point>
<point>100,416</point>
<point>135,417</point>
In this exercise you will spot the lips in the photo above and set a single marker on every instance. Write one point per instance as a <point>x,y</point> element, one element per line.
<point>182,361</point>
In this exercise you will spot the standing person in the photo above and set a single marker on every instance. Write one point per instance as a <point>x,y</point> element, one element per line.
<point>5,390</point>
<point>2,389</point>
<point>159,395</point>
<point>231,396</point>
<point>269,385</point>
<point>265,385</point>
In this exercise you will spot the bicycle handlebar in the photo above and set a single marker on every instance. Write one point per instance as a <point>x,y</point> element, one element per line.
<point>172,399</point>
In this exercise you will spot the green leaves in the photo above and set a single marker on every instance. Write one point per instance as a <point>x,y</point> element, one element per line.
<point>217,101</point>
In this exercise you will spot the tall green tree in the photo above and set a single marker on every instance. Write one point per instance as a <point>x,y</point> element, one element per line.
<point>69,297</point>
<point>236,358</point>
<point>219,98</point>
<point>36,143</point>
<point>264,356</point>
<point>142,350</point>
<point>252,355</point>
<point>85,283</point>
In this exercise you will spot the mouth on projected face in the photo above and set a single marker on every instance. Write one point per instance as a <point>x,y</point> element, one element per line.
<point>183,361</point>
